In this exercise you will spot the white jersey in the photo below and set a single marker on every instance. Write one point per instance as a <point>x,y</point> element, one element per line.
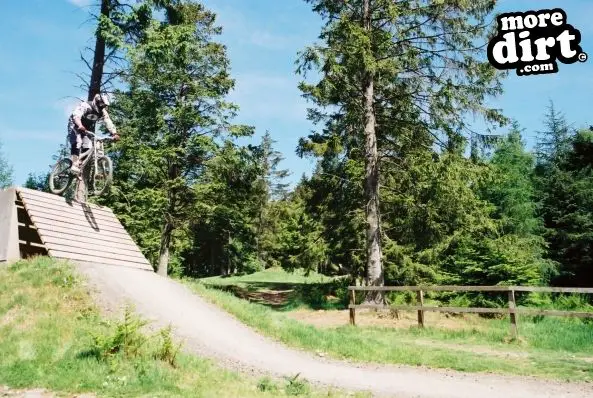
<point>89,116</point>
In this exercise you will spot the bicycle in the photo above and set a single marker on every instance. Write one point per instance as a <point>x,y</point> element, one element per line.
<point>101,169</point>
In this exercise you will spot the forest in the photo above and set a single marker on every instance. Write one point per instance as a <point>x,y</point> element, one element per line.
<point>404,192</point>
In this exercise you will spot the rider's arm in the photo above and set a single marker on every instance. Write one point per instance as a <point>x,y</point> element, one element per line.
<point>77,117</point>
<point>108,123</point>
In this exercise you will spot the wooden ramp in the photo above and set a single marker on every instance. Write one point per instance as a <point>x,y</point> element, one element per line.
<point>48,224</point>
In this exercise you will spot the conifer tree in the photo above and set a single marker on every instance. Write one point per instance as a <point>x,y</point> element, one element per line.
<point>394,72</point>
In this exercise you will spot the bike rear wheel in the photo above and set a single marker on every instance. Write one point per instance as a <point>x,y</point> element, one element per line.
<point>60,177</point>
<point>103,176</point>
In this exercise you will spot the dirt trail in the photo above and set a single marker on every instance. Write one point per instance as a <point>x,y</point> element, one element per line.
<point>211,332</point>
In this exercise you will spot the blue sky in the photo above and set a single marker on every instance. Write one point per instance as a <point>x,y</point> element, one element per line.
<point>42,39</point>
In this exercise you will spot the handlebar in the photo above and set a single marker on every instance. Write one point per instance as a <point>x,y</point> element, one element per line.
<point>98,138</point>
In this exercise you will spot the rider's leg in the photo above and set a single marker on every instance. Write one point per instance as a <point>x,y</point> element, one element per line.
<point>75,144</point>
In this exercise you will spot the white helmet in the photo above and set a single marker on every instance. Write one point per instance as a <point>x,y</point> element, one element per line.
<point>101,100</point>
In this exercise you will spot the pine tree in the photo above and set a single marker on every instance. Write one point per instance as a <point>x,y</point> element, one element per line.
<point>38,182</point>
<point>173,114</point>
<point>6,171</point>
<point>518,249</point>
<point>394,72</point>
<point>568,213</point>
<point>553,142</point>
<point>272,188</point>
<point>225,214</point>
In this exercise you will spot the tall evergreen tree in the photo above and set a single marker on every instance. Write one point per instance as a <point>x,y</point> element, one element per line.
<point>554,141</point>
<point>225,214</point>
<point>272,187</point>
<point>118,24</point>
<point>172,115</point>
<point>568,213</point>
<point>6,171</point>
<point>518,245</point>
<point>38,182</point>
<point>393,71</point>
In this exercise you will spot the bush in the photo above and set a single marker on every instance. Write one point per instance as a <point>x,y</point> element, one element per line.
<point>297,387</point>
<point>125,338</point>
<point>266,384</point>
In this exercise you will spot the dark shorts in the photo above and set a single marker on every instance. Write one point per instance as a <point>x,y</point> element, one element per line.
<point>76,141</point>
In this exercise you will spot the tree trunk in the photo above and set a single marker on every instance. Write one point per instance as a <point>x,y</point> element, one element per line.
<point>99,56</point>
<point>164,249</point>
<point>374,267</point>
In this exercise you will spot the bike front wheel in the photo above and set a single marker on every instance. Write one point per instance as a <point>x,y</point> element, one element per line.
<point>103,176</point>
<point>60,177</point>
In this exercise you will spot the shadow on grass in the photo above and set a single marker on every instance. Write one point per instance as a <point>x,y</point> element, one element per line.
<point>88,354</point>
<point>288,296</point>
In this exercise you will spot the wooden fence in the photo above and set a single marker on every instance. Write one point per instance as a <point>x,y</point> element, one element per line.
<point>512,309</point>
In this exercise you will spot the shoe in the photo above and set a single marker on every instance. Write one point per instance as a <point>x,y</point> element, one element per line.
<point>75,169</point>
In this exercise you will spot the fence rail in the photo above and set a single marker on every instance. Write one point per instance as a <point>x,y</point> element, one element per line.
<point>511,310</point>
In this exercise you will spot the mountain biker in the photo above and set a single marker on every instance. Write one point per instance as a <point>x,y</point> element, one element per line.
<point>82,120</point>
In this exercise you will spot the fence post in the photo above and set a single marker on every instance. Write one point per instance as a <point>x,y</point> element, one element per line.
<point>513,315</point>
<point>420,298</point>
<point>352,310</point>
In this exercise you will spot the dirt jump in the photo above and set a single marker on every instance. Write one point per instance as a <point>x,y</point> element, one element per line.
<point>208,331</point>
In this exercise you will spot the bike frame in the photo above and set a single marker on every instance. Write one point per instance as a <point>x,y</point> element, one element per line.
<point>95,152</point>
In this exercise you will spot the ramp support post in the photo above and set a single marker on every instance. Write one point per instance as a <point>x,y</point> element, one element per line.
<point>9,228</point>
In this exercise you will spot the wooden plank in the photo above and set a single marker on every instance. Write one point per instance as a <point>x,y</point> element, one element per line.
<point>90,251</point>
<point>430,288</point>
<point>69,212</point>
<point>75,245</point>
<point>55,199</point>
<point>99,260</point>
<point>474,289</point>
<point>85,242</point>
<point>35,192</point>
<point>578,314</point>
<point>29,243</point>
<point>87,237</point>
<point>60,201</point>
<point>526,311</point>
<point>420,298</point>
<point>437,309</point>
<point>66,207</point>
<point>72,206</point>
<point>35,210</point>
<point>512,315</point>
<point>546,289</point>
<point>72,228</point>
<point>352,308</point>
<point>112,225</point>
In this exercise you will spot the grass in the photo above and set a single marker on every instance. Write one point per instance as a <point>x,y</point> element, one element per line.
<point>550,348</point>
<point>282,290</point>
<point>53,337</point>
<point>272,276</point>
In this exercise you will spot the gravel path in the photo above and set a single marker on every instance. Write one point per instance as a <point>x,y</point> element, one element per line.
<point>208,331</point>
